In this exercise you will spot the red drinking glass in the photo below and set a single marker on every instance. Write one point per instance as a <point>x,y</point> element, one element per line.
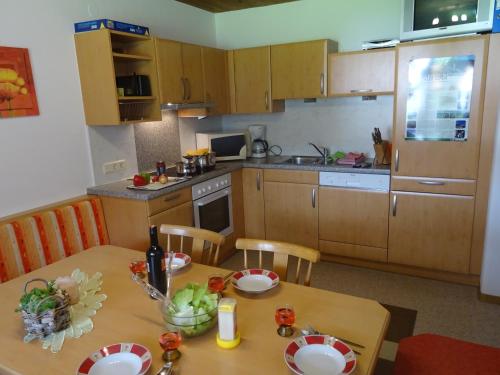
<point>170,342</point>
<point>138,267</point>
<point>285,318</point>
<point>216,283</point>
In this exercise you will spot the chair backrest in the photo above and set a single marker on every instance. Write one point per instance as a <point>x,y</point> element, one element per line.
<point>37,238</point>
<point>281,251</point>
<point>205,245</point>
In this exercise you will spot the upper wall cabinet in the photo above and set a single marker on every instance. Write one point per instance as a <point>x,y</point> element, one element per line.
<point>170,75</point>
<point>180,72</point>
<point>193,73</point>
<point>215,80</point>
<point>437,129</point>
<point>299,70</point>
<point>103,55</point>
<point>250,81</point>
<point>361,73</point>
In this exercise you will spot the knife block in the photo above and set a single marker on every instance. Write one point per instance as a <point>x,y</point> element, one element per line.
<point>382,153</point>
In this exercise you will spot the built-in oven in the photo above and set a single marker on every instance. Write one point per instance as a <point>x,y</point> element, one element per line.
<point>213,206</point>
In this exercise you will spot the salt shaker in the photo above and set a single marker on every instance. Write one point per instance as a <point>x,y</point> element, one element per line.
<point>228,336</point>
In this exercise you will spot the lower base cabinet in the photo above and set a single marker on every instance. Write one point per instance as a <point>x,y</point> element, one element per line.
<point>291,213</point>
<point>354,223</point>
<point>180,215</point>
<point>431,230</point>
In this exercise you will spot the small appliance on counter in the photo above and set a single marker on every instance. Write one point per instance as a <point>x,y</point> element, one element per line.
<point>258,141</point>
<point>227,146</point>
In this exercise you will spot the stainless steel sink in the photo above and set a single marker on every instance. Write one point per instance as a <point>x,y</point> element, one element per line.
<point>304,160</point>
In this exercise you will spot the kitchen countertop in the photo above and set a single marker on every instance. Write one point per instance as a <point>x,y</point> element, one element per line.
<point>119,189</point>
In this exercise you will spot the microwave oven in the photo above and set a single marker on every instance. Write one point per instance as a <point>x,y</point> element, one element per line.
<point>227,146</point>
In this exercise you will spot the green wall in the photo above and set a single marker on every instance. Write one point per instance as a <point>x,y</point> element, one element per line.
<point>350,22</point>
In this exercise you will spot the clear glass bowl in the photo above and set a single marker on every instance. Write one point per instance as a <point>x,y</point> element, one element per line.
<point>190,325</point>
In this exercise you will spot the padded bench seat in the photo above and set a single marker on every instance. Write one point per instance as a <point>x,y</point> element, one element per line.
<point>37,239</point>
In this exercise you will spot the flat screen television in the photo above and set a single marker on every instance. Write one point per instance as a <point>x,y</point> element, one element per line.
<point>421,19</point>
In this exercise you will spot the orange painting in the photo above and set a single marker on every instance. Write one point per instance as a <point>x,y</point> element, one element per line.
<point>17,89</point>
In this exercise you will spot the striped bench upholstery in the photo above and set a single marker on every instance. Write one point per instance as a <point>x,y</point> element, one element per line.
<point>42,238</point>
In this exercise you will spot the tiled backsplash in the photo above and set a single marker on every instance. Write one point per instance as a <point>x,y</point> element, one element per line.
<point>158,141</point>
<point>339,124</point>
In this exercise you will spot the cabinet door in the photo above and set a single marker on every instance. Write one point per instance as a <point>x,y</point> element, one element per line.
<point>169,60</point>
<point>291,213</point>
<point>352,216</point>
<point>215,80</point>
<point>361,73</point>
<point>431,230</point>
<point>299,69</point>
<point>447,159</point>
<point>180,215</point>
<point>253,199</point>
<point>252,80</point>
<point>193,73</point>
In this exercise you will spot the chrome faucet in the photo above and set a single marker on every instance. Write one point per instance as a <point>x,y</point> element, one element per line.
<point>323,151</point>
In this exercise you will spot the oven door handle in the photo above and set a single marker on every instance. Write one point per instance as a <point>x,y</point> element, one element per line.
<point>212,197</point>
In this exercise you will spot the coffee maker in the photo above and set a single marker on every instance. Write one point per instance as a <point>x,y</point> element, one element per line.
<point>259,145</point>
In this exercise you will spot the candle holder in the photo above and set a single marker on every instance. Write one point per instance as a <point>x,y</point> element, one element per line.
<point>285,318</point>
<point>170,342</point>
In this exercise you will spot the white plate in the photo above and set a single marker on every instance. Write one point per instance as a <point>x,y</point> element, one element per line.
<point>319,355</point>
<point>117,359</point>
<point>255,280</point>
<point>180,260</point>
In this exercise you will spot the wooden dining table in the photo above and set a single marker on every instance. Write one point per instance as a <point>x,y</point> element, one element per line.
<point>130,316</point>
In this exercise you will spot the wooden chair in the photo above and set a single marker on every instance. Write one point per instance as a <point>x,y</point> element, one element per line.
<point>205,243</point>
<point>281,251</point>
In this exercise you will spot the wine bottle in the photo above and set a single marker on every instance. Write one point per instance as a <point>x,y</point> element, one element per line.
<point>156,262</point>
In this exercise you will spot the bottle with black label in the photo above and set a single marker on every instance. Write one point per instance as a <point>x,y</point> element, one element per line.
<point>156,262</point>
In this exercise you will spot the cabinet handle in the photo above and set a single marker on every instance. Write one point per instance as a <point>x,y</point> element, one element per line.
<point>432,183</point>
<point>322,83</point>
<point>314,198</point>
<point>266,99</point>
<point>361,91</point>
<point>396,166</point>
<point>189,89</point>
<point>258,181</point>
<point>394,205</point>
<point>172,198</point>
<point>183,89</point>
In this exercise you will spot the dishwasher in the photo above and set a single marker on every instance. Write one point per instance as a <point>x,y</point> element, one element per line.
<point>354,215</point>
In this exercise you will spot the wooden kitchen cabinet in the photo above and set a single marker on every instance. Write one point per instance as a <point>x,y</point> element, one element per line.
<point>253,198</point>
<point>193,73</point>
<point>291,213</point>
<point>179,215</point>
<point>361,73</point>
<point>359,217</point>
<point>431,230</point>
<point>215,80</point>
<point>170,71</point>
<point>299,70</point>
<point>180,72</point>
<point>128,220</point>
<point>104,55</point>
<point>441,159</point>
<point>249,73</point>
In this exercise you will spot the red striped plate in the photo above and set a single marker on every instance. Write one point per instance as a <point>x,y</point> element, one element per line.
<point>119,359</point>
<point>180,260</point>
<point>319,354</point>
<point>255,280</point>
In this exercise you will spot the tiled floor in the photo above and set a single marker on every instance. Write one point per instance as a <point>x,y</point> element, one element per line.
<point>443,308</point>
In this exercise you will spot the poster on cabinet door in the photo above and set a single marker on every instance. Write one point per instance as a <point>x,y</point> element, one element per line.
<point>439,98</point>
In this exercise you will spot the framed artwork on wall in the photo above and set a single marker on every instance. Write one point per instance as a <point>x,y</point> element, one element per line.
<point>17,89</point>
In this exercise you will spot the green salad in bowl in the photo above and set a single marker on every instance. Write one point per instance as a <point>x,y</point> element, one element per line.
<point>193,310</point>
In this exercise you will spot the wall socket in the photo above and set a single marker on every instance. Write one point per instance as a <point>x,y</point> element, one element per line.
<point>113,166</point>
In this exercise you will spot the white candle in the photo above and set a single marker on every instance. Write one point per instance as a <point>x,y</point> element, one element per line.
<point>70,286</point>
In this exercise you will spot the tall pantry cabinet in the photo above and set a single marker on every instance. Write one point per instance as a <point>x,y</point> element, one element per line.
<point>437,139</point>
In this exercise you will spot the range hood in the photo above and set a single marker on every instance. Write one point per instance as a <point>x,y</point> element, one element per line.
<point>197,110</point>
<point>177,106</point>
